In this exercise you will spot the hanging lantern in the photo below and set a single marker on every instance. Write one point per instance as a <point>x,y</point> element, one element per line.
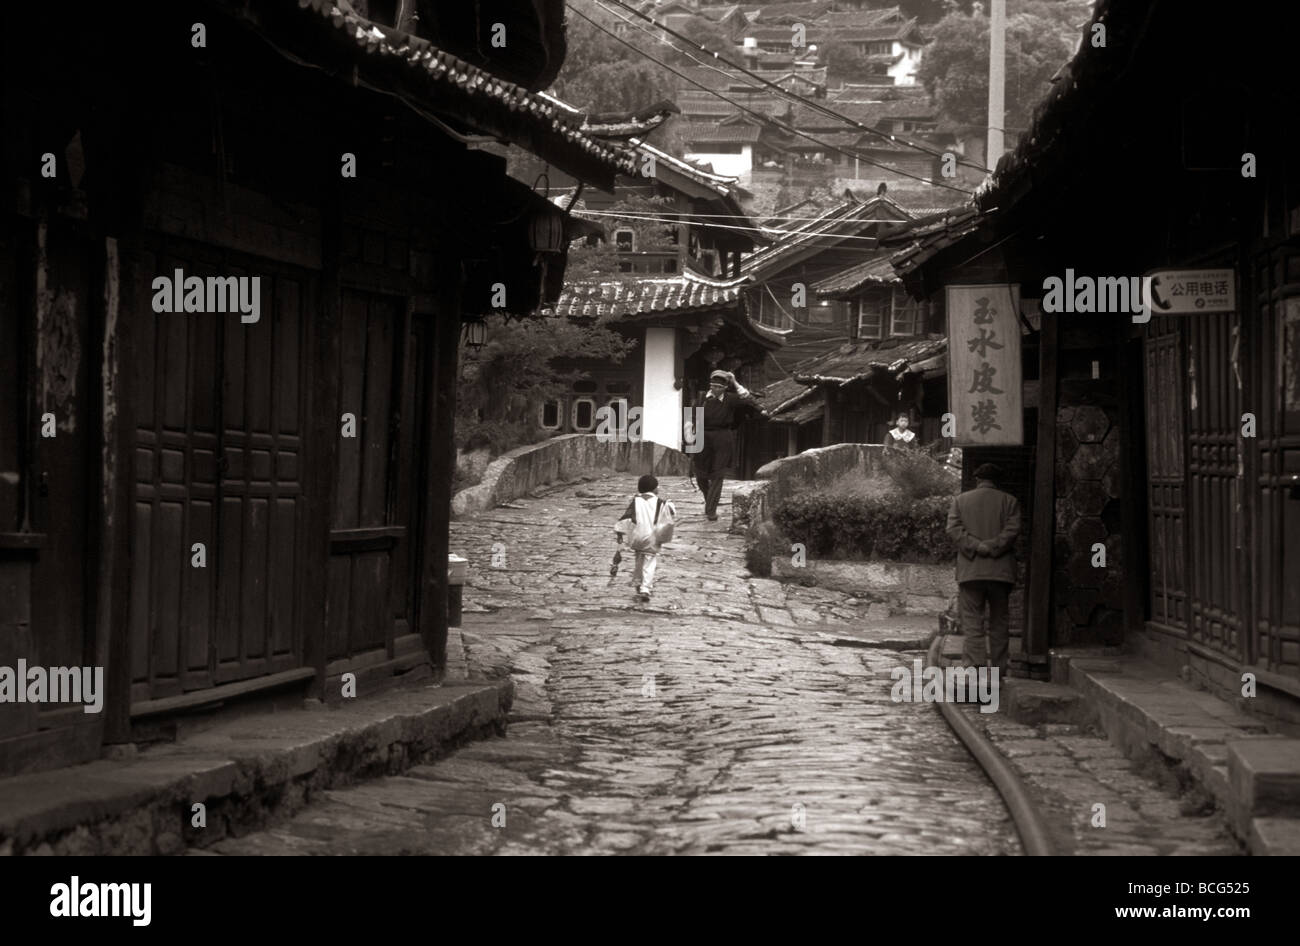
<point>546,232</point>
<point>476,334</point>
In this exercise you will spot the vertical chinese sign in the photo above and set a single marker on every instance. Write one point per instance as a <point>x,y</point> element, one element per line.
<point>984,365</point>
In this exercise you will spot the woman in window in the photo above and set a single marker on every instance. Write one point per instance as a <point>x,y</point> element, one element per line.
<point>899,437</point>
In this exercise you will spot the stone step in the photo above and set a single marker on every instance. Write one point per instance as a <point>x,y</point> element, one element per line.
<point>1265,777</point>
<point>1036,702</point>
<point>1275,837</point>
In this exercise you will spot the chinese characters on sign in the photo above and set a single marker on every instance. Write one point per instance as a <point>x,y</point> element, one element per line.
<point>1175,291</point>
<point>984,364</point>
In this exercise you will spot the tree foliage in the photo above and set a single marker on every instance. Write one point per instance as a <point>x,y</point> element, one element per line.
<point>601,74</point>
<point>844,62</point>
<point>502,383</point>
<point>1041,37</point>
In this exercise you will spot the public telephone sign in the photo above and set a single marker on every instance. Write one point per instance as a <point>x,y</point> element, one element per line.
<point>1184,291</point>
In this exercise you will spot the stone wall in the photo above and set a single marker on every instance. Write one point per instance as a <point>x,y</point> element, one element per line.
<point>559,460</point>
<point>1088,598</point>
<point>903,587</point>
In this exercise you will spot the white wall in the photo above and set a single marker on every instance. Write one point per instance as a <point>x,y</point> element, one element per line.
<point>732,165</point>
<point>661,417</point>
<point>904,71</point>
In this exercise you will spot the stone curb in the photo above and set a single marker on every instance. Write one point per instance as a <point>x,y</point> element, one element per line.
<point>247,772</point>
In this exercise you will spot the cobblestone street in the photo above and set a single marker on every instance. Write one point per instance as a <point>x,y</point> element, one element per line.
<point>731,714</point>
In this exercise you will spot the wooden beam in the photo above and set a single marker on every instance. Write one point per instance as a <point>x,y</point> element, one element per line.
<point>323,424</point>
<point>1133,480</point>
<point>113,582</point>
<point>1039,611</point>
<point>440,461</point>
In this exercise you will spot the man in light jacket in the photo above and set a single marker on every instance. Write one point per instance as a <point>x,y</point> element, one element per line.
<point>983,523</point>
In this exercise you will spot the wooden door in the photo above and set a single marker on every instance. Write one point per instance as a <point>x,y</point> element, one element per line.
<point>176,390</point>
<point>262,507</point>
<point>369,531</point>
<point>1275,637</point>
<point>1166,492</point>
<point>1214,464</point>
<point>219,406</point>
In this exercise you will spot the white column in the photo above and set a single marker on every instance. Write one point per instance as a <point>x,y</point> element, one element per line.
<point>661,415</point>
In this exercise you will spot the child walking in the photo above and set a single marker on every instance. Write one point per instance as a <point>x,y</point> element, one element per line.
<point>647,524</point>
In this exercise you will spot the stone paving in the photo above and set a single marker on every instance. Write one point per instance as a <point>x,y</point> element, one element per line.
<point>731,714</point>
<point>1144,811</point>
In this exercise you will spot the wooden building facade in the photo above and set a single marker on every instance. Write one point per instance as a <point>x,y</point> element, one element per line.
<point>226,505</point>
<point>1173,441</point>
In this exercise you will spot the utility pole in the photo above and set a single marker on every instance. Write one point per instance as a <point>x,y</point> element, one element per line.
<point>997,80</point>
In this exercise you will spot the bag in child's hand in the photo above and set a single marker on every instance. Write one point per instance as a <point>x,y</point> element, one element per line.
<point>649,535</point>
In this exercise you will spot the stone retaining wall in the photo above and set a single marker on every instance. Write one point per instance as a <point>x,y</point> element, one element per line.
<point>559,460</point>
<point>904,587</point>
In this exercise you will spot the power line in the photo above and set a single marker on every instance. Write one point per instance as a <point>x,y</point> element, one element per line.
<point>782,125</point>
<point>793,96</point>
<point>632,215</point>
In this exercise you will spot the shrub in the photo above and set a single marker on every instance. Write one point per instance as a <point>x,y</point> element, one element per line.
<point>918,474</point>
<point>500,436</point>
<point>843,524</point>
<point>764,544</point>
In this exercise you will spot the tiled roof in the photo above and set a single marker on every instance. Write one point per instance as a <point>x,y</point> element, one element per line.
<point>831,225</point>
<point>790,402</point>
<point>702,102</point>
<point>717,14</point>
<point>643,297</point>
<point>928,236</point>
<point>871,34</point>
<point>781,394</point>
<point>807,409</point>
<point>805,11</point>
<point>873,272</point>
<point>825,225</point>
<point>855,361</point>
<point>881,17</point>
<point>714,133</point>
<point>773,33</point>
<point>723,184</point>
<point>531,120</point>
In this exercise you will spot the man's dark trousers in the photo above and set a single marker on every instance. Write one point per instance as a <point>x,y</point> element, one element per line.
<point>712,465</point>
<point>971,598</point>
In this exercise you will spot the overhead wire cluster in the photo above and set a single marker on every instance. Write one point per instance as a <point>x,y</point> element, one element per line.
<point>793,96</point>
<point>784,126</point>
